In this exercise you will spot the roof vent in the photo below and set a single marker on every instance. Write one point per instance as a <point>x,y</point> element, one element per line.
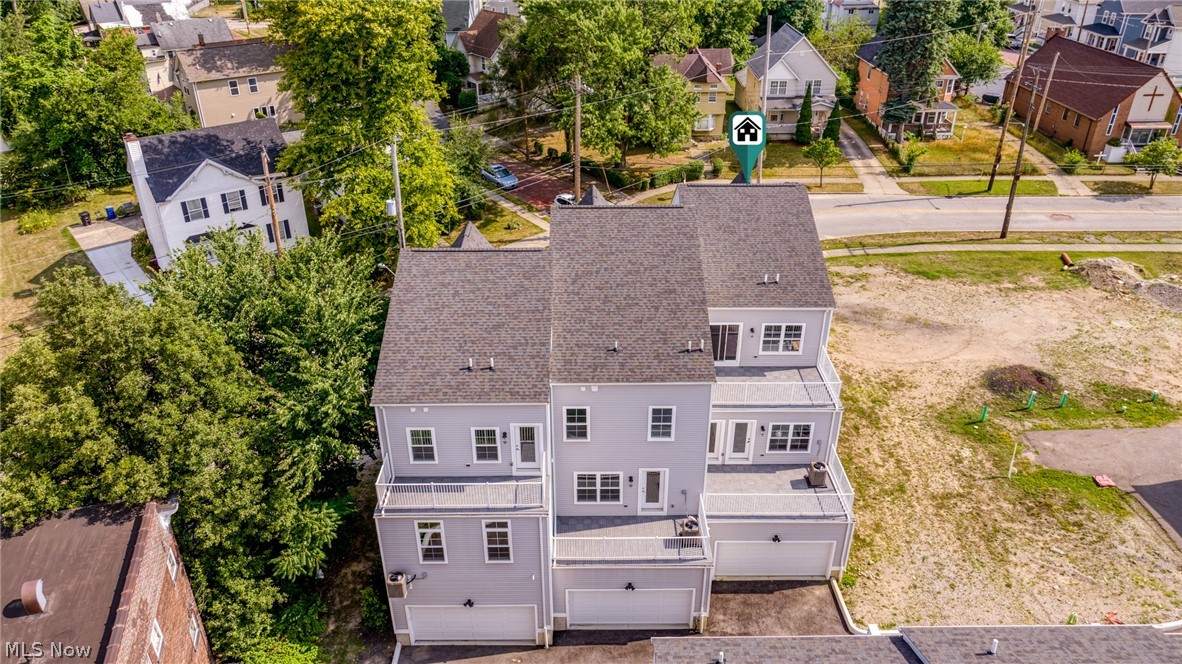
<point>33,597</point>
<point>993,647</point>
<point>492,365</point>
<point>469,364</point>
<point>615,346</point>
<point>777,277</point>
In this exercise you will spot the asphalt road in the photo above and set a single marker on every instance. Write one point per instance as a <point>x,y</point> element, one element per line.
<point>840,215</point>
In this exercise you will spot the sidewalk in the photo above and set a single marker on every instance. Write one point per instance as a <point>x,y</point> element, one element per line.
<point>1067,247</point>
<point>873,176</point>
<point>1068,185</point>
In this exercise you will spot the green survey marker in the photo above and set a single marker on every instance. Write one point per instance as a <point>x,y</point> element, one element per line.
<point>747,138</point>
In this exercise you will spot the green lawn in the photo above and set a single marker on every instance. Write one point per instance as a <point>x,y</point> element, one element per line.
<point>981,237</point>
<point>660,199</point>
<point>978,188</point>
<point>1053,150</point>
<point>837,188</point>
<point>786,160</point>
<point>1018,268</point>
<point>1117,187</point>
<point>500,226</point>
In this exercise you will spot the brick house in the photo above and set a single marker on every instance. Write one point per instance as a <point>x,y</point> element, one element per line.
<point>1097,95</point>
<point>707,71</point>
<point>936,117</point>
<point>107,585</point>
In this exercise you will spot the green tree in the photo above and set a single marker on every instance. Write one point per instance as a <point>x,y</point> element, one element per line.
<point>519,72</point>
<point>990,18</point>
<point>359,71</point>
<point>833,126</point>
<point>451,66</point>
<point>804,121</point>
<point>728,24</point>
<point>468,152</point>
<point>807,16</point>
<point>1161,156</point>
<point>976,62</point>
<point>839,44</point>
<point>823,153</point>
<point>916,45</point>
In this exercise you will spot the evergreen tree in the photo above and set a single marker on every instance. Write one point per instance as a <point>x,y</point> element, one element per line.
<point>833,126</point>
<point>804,122</point>
<point>915,33</point>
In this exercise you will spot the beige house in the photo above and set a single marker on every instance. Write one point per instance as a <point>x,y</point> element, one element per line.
<point>708,72</point>
<point>234,81</point>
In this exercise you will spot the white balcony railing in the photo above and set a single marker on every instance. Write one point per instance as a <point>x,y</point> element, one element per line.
<point>640,549</point>
<point>793,393</point>
<point>510,494</point>
<point>789,503</point>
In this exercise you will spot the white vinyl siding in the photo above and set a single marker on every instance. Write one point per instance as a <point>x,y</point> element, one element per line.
<point>782,338</point>
<point>486,446</point>
<point>789,437</point>
<point>194,210</point>
<point>234,201</point>
<point>422,445</point>
<point>498,542</point>
<point>432,548</point>
<point>597,488</point>
<point>660,422</point>
<point>576,423</point>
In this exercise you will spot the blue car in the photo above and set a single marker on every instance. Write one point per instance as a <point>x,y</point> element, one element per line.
<point>500,176</point>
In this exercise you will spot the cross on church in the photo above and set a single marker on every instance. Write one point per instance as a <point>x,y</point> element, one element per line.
<point>1152,96</point>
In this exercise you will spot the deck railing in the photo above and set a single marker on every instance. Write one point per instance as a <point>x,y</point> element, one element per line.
<point>836,503</point>
<point>793,393</point>
<point>639,549</point>
<point>520,494</point>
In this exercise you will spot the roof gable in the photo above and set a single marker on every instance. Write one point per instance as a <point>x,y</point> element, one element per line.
<point>701,65</point>
<point>471,238</point>
<point>782,41</point>
<point>483,37</point>
<point>172,159</point>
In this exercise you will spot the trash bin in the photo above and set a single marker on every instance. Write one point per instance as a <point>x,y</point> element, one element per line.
<point>818,474</point>
<point>110,212</point>
<point>84,217</point>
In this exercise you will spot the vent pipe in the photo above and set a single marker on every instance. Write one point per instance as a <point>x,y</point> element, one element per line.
<point>492,366</point>
<point>777,277</point>
<point>469,364</point>
<point>615,346</point>
<point>993,647</point>
<point>33,597</point>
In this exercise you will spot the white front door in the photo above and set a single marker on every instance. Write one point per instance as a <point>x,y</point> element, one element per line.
<point>642,608</point>
<point>452,624</point>
<point>715,441</point>
<point>527,448</point>
<point>740,439</point>
<point>652,490</point>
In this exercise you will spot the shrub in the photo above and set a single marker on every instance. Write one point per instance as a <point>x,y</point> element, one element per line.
<point>538,147</point>
<point>833,127</point>
<point>718,165</point>
<point>141,249</point>
<point>1114,142</point>
<point>564,158</point>
<point>1019,380</point>
<point>551,153</point>
<point>512,225</point>
<point>909,153</point>
<point>1073,159</point>
<point>303,621</point>
<point>375,615</point>
<point>34,221</point>
<point>467,101</point>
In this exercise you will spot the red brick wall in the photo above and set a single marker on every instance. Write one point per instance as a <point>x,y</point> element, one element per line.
<point>872,91</point>
<point>152,593</point>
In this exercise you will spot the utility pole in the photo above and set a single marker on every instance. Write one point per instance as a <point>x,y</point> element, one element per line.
<point>980,29</point>
<point>763,91</point>
<point>1005,120</point>
<point>397,194</point>
<point>577,157</point>
<point>246,18</point>
<point>1035,114</point>
<point>271,204</point>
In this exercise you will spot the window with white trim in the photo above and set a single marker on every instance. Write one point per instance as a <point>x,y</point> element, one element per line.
<point>171,563</point>
<point>576,424</point>
<point>1112,121</point>
<point>194,630</point>
<point>485,447</point>
<point>789,437</point>
<point>277,192</point>
<point>498,547</point>
<point>777,88</point>
<point>779,338</point>
<point>817,86</point>
<point>1177,120</point>
<point>252,84</point>
<point>660,422</point>
<point>233,88</point>
<point>597,487</point>
<point>234,201</point>
<point>157,637</point>
<point>431,545</point>
<point>194,210</point>
<point>422,445</point>
<point>712,97</point>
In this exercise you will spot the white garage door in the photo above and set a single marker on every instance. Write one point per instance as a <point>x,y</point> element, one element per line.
<point>774,559</point>
<point>480,623</point>
<point>664,607</point>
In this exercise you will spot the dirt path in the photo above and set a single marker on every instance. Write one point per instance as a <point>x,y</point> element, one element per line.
<point>940,538</point>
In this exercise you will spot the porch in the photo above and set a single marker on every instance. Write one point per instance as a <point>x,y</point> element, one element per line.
<point>630,539</point>
<point>937,121</point>
<point>817,385</point>
<point>441,494</point>
<point>777,491</point>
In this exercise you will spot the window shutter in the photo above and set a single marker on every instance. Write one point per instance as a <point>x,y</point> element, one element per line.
<point>270,234</point>
<point>225,204</point>
<point>185,211</point>
<point>242,196</point>
<point>204,208</point>
<point>286,230</point>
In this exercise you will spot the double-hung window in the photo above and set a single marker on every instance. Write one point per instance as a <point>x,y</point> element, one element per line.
<point>576,424</point>
<point>660,422</point>
<point>815,85</point>
<point>234,201</point>
<point>789,437</point>
<point>171,563</point>
<point>194,210</point>
<point>233,88</point>
<point>194,629</point>
<point>422,445</point>
<point>498,546</point>
<point>485,448</point>
<point>252,84</point>
<point>779,338</point>
<point>431,546</point>
<point>157,637</point>
<point>285,229</point>
<point>276,191</point>
<point>597,487</point>
<point>778,89</point>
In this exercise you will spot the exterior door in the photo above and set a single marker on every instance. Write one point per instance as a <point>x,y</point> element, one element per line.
<point>652,490</point>
<point>740,440</point>
<point>527,448</point>
<point>715,442</point>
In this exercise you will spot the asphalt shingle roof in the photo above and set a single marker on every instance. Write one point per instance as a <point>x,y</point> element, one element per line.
<point>230,59</point>
<point>786,650</point>
<point>455,14</point>
<point>172,158</point>
<point>471,238</point>
<point>447,306</point>
<point>782,41</point>
<point>176,35</point>
<point>483,37</point>
<point>1046,644</point>
<point>701,65</point>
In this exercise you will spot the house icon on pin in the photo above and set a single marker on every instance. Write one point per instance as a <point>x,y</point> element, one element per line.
<point>747,132</point>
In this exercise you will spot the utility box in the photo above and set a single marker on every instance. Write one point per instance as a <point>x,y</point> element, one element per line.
<point>396,586</point>
<point>818,474</point>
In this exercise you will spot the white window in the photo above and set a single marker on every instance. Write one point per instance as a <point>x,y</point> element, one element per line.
<point>1177,120</point>
<point>789,437</point>
<point>252,84</point>
<point>498,546</point>
<point>233,88</point>
<point>816,85</point>
<point>1112,120</point>
<point>194,210</point>
<point>779,338</point>
<point>171,563</point>
<point>597,488</point>
<point>660,422</point>
<point>422,444</point>
<point>712,97</point>
<point>234,201</point>
<point>576,424</point>
<point>157,637</point>
<point>265,111</point>
<point>778,89</point>
<point>286,229</point>
<point>277,192</point>
<point>485,446</point>
<point>194,630</point>
<point>431,547</point>
<point>704,123</point>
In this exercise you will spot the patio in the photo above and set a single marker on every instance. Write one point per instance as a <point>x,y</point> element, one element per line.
<point>622,539</point>
<point>776,491</point>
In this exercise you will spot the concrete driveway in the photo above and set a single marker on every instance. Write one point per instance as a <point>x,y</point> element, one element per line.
<point>773,608</point>
<point>108,246</point>
<point>1147,462</point>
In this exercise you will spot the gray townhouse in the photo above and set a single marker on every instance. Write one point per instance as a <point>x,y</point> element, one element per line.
<point>586,436</point>
<point>1143,30</point>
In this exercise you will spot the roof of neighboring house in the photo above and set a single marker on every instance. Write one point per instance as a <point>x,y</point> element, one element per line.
<point>1059,19</point>
<point>1088,80</point>
<point>701,65</point>
<point>172,158</point>
<point>455,14</point>
<point>176,35</point>
<point>1101,29</point>
<point>483,37</point>
<point>81,557</point>
<point>448,306</point>
<point>870,50</point>
<point>782,41</point>
<point>593,197</point>
<point>105,12</point>
<point>230,59</point>
<point>471,238</point>
<point>776,649</point>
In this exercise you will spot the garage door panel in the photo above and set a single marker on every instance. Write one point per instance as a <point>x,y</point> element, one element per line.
<point>461,623</point>
<point>672,607</point>
<point>774,559</point>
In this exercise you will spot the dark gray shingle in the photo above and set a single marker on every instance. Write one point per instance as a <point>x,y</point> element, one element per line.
<point>172,158</point>
<point>471,238</point>
<point>784,649</point>
<point>230,59</point>
<point>1046,644</point>
<point>782,41</point>
<point>176,35</point>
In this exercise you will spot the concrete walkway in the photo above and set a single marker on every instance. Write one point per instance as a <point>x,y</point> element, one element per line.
<point>1067,247</point>
<point>870,171</point>
<point>108,246</point>
<point>1068,185</point>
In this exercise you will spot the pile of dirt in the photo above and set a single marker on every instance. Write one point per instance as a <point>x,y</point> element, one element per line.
<point>1166,294</point>
<point>1019,379</point>
<point>1111,274</point>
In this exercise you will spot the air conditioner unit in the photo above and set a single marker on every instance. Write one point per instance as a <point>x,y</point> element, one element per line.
<point>396,585</point>
<point>818,474</point>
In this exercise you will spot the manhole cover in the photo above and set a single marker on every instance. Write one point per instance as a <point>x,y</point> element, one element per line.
<point>1061,217</point>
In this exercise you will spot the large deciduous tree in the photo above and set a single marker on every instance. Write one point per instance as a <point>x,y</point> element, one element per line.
<point>728,24</point>
<point>989,18</point>
<point>839,44</point>
<point>915,33</point>
<point>807,16</point>
<point>976,62</point>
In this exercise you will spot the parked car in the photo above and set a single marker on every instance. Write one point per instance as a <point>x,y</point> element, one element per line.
<point>500,176</point>
<point>565,199</point>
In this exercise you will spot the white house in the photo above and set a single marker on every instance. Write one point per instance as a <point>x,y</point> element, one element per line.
<point>837,11</point>
<point>192,182</point>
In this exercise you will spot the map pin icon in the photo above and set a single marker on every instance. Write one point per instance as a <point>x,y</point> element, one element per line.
<point>747,137</point>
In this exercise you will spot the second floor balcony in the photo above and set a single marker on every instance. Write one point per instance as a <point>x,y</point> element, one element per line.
<point>778,386</point>
<point>632,539</point>
<point>458,494</point>
<point>777,491</point>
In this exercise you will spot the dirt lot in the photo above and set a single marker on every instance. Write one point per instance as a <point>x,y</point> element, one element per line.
<point>942,536</point>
